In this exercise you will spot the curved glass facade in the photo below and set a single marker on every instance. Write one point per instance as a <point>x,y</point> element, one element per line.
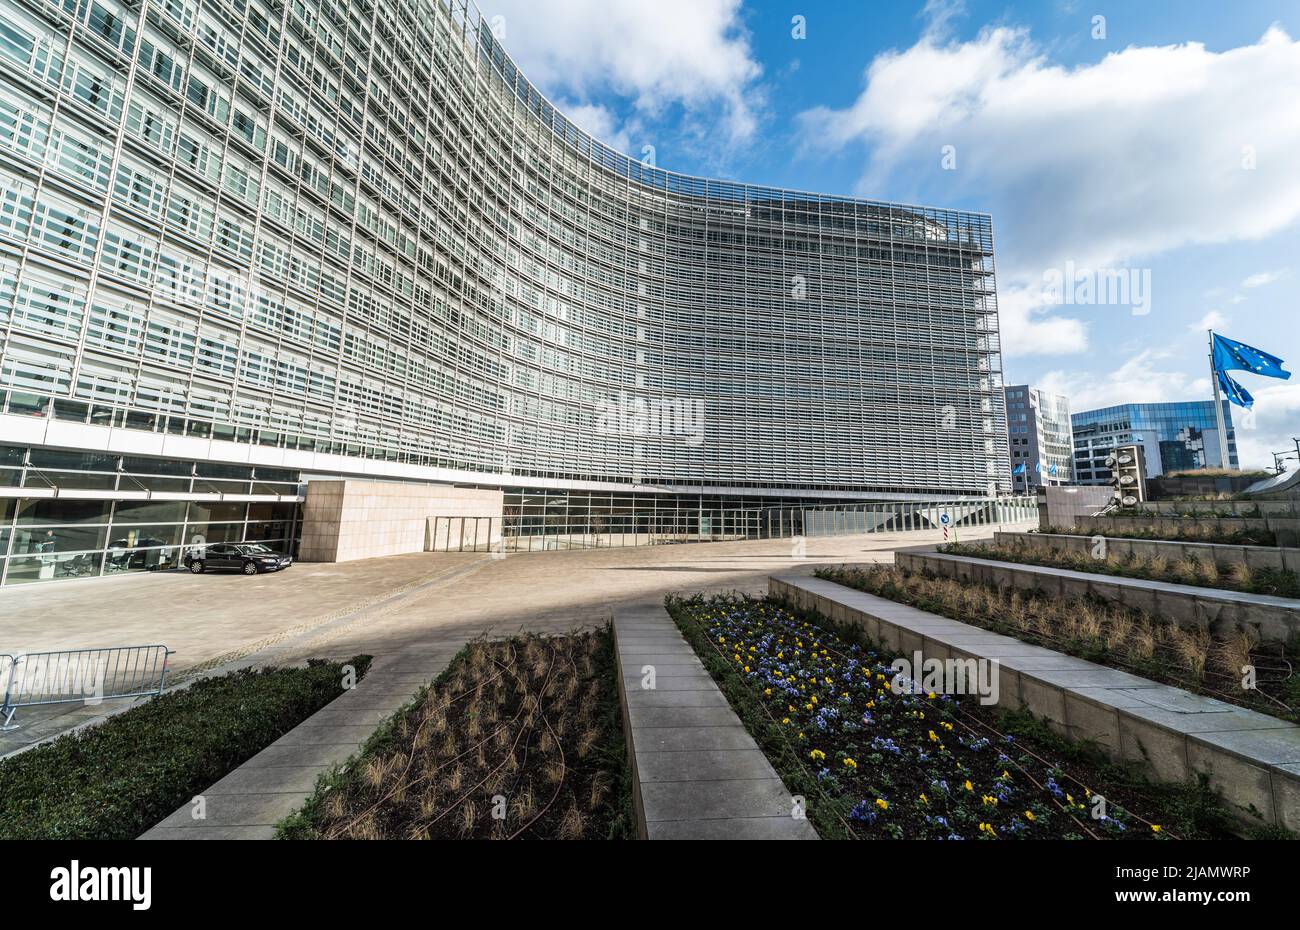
<point>356,230</point>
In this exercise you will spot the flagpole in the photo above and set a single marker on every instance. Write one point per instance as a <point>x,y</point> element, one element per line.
<point>1218,408</point>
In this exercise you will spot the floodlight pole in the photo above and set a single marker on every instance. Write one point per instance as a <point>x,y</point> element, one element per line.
<point>1218,408</point>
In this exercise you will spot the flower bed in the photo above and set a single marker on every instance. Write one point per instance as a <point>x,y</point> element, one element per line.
<point>118,778</point>
<point>875,761</point>
<point>518,738</point>
<point>1190,571</point>
<point>1109,634</point>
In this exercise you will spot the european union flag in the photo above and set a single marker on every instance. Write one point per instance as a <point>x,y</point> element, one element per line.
<point>1231,355</point>
<point>1234,391</point>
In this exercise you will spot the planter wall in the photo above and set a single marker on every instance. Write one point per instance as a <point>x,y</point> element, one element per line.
<point>1274,619</point>
<point>1252,759</point>
<point>1256,557</point>
<point>1286,529</point>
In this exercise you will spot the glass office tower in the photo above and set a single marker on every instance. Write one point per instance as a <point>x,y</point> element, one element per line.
<point>1174,437</point>
<point>352,238</point>
<point>1042,449</point>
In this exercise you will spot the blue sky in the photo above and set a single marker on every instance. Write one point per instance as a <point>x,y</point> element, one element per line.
<point>1161,143</point>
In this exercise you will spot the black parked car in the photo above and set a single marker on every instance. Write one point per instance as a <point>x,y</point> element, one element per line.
<point>249,558</point>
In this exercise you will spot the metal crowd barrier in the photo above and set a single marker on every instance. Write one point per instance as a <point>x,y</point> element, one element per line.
<point>86,676</point>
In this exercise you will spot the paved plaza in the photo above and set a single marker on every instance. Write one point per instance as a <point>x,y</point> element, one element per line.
<point>387,605</point>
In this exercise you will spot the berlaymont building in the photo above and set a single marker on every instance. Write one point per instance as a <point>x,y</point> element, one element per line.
<point>337,277</point>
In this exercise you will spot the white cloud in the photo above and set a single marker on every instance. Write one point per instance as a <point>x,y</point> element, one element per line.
<point>690,52</point>
<point>1103,164</point>
<point>1139,380</point>
<point>1263,278</point>
<point>1275,420</point>
<point>1027,331</point>
<point>1212,320</point>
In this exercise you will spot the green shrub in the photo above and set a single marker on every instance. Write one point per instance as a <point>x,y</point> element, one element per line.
<point>117,779</point>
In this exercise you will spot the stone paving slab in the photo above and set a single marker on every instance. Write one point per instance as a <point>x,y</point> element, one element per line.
<point>732,828</point>
<point>698,774</point>
<point>248,802</point>
<point>1252,758</point>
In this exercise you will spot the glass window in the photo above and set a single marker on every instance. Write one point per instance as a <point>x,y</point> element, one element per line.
<point>23,570</point>
<point>266,511</point>
<point>141,560</point>
<point>277,530</point>
<point>152,483</point>
<point>217,470</point>
<point>30,540</point>
<point>27,405</point>
<point>144,537</point>
<point>203,512</point>
<point>144,466</point>
<point>138,420</point>
<point>70,410</point>
<point>149,512</point>
<point>55,512</point>
<point>70,479</point>
<point>214,532</point>
<point>81,461</point>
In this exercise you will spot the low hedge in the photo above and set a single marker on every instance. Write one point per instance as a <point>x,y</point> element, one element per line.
<point>117,779</point>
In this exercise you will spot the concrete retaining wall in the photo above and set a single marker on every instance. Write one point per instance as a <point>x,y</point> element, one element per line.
<point>1231,508</point>
<point>1274,619</point>
<point>1253,759</point>
<point>348,520</point>
<point>1254,556</point>
<point>1062,505</point>
<point>1286,529</point>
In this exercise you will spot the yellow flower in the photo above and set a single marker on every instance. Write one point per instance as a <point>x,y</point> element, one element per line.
<point>817,755</point>
<point>850,763</point>
<point>785,720</point>
<point>1029,815</point>
<point>1155,828</point>
<point>924,799</point>
<point>882,804</point>
<point>968,786</point>
<point>767,692</point>
<point>932,695</point>
<point>933,737</point>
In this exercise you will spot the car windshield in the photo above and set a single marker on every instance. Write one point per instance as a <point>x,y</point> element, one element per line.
<point>253,549</point>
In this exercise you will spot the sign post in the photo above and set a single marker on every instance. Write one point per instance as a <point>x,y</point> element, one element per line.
<point>945,521</point>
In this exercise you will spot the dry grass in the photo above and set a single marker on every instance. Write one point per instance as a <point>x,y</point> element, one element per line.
<point>1196,569</point>
<point>516,741</point>
<point>1106,633</point>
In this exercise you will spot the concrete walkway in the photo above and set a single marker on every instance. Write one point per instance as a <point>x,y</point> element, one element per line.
<point>247,803</point>
<point>698,774</point>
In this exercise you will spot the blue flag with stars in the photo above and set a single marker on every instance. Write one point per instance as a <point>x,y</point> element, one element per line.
<point>1231,355</point>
